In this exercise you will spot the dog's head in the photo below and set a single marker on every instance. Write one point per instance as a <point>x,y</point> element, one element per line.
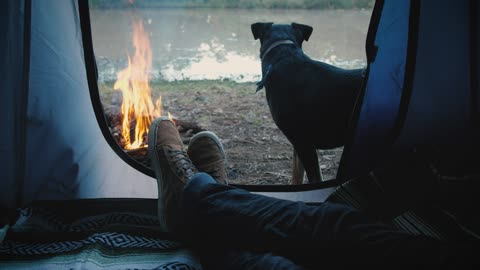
<point>269,32</point>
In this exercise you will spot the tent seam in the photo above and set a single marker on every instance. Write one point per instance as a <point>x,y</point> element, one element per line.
<point>413,29</point>
<point>23,107</point>
<point>370,49</point>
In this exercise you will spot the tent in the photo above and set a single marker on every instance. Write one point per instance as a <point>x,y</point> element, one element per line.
<point>58,145</point>
<point>421,87</point>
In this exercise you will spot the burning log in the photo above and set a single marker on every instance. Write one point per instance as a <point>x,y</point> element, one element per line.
<point>140,155</point>
<point>186,129</point>
<point>113,116</point>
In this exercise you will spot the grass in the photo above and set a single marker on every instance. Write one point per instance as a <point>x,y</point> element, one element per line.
<point>178,97</point>
<point>257,151</point>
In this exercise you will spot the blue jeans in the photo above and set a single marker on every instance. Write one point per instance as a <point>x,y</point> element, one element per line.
<point>250,231</point>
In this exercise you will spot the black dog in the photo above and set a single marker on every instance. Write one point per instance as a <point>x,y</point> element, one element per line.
<point>311,102</point>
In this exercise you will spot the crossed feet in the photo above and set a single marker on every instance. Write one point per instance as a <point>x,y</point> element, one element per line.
<point>174,166</point>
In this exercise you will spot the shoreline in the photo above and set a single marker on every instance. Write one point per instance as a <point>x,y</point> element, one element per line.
<point>225,4</point>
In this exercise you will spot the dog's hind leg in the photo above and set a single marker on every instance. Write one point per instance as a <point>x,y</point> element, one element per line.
<point>309,158</point>
<point>297,170</point>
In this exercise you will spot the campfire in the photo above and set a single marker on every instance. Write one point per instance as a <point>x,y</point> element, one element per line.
<point>138,109</point>
<point>131,126</point>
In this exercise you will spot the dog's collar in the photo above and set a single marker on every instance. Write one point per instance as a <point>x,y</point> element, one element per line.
<point>276,44</point>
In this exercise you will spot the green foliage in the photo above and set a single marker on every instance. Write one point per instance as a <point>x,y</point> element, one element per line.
<point>269,4</point>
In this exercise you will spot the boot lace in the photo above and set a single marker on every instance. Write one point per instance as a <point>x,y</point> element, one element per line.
<point>182,163</point>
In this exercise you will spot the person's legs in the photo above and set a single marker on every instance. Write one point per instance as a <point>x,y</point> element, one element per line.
<point>207,154</point>
<point>218,214</point>
<point>233,217</point>
<point>173,169</point>
<point>234,259</point>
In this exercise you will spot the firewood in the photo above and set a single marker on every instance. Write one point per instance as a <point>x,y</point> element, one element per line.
<point>184,126</point>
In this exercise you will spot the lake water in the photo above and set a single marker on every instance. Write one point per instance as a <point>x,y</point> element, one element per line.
<point>199,44</point>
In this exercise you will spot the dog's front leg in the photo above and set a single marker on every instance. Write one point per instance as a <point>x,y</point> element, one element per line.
<point>309,158</point>
<point>297,170</point>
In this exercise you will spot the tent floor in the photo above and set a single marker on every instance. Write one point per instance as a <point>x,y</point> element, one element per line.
<point>92,234</point>
<point>124,233</point>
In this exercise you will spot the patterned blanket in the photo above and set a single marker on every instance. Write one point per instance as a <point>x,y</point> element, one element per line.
<point>92,234</point>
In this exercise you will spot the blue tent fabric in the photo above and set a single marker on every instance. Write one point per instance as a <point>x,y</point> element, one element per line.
<point>419,89</point>
<point>439,108</point>
<point>475,44</point>
<point>11,99</point>
<point>63,154</point>
<point>433,118</point>
<point>383,90</point>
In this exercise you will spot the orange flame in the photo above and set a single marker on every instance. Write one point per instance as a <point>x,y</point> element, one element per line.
<point>133,81</point>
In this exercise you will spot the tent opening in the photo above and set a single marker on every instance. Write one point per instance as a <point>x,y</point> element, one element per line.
<point>198,63</point>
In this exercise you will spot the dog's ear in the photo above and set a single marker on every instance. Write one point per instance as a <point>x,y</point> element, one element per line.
<point>258,29</point>
<point>305,31</point>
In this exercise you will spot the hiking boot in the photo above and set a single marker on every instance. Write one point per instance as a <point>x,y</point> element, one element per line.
<point>206,152</point>
<point>172,167</point>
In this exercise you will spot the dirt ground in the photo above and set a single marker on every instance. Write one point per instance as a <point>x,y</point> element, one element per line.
<point>257,151</point>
